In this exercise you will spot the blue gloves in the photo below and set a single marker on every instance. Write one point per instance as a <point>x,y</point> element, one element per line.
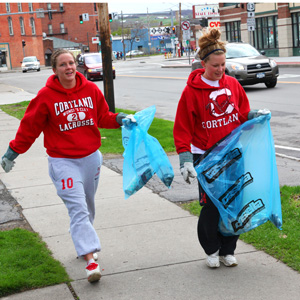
<point>257,112</point>
<point>124,119</point>
<point>7,161</point>
<point>187,169</point>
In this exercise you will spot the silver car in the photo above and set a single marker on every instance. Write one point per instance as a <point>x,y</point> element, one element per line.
<point>247,65</point>
<point>30,63</point>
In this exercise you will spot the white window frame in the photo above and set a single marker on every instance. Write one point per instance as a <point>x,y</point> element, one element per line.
<point>7,7</point>
<point>19,7</point>
<point>30,7</point>
<point>10,26</point>
<point>32,24</point>
<point>22,26</point>
<point>50,29</point>
<point>62,28</point>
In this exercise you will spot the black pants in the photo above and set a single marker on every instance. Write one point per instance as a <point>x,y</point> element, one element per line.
<point>209,236</point>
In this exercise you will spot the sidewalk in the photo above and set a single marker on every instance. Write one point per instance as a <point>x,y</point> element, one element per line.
<point>149,245</point>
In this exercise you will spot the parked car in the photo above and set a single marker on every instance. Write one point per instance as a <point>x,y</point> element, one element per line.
<point>30,63</point>
<point>134,53</point>
<point>247,65</point>
<point>90,65</point>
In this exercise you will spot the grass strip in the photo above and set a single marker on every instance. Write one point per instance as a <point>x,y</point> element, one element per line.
<point>26,263</point>
<point>282,244</point>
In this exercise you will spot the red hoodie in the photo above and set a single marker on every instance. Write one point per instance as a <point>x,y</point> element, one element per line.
<point>206,114</point>
<point>69,119</point>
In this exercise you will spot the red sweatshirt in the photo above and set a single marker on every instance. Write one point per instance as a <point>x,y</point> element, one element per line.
<point>206,114</point>
<point>69,119</point>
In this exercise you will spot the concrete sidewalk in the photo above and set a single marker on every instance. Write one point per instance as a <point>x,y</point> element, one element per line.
<point>149,245</point>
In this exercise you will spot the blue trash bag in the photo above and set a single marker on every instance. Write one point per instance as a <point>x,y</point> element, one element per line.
<point>143,155</point>
<point>239,174</point>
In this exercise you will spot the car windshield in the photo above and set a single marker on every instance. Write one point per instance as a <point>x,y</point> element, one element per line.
<point>29,59</point>
<point>93,59</point>
<point>240,50</point>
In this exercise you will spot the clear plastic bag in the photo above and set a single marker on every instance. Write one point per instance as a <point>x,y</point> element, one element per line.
<point>143,155</point>
<point>239,174</point>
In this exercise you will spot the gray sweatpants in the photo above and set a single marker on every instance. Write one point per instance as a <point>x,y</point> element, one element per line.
<point>76,182</point>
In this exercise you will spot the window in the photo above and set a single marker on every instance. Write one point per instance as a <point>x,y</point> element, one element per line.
<point>61,6</point>
<point>62,27</point>
<point>49,12</point>
<point>97,26</point>
<point>19,7</point>
<point>233,31</point>
<point>296,29</point>
<point>10,26</point>
<point>266,35</point>
<point>30,7</point>
<point>7,7</point>
<point>32,24</point>
<point>22,26</point>
<point>50,31</point>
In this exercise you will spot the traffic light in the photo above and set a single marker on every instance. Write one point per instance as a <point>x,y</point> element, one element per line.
<point>110,17</point>
<point>173,29</point>
<point>80,19</point>
<point>23,43</point>
<point>204,22</point>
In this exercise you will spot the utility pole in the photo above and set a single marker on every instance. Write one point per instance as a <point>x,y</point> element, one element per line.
<point>123,42</point>
<point>106,51</point>
<point>180,30</point>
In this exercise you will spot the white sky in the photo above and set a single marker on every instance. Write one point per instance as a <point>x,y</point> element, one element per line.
<point>141,6</point>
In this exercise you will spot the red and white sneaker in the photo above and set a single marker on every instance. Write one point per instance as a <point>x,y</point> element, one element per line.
<point>93,272</point>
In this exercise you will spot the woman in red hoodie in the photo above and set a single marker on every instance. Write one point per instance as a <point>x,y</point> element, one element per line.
<point>69,110</point>
<point>211,106</point>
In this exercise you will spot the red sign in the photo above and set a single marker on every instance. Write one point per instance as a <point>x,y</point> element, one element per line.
<point>214,24</point>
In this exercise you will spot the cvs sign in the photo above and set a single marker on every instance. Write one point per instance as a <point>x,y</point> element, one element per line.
<point>214,24</point>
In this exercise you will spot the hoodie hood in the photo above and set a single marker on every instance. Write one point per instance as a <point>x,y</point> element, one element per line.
<point>196,82</point>
<point>54,84</point>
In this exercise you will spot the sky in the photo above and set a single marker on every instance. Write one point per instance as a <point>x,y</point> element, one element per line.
<point>141,6</point>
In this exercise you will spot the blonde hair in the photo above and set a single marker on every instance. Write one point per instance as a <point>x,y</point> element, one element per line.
<point>56,54</point>
<point>209,43</point>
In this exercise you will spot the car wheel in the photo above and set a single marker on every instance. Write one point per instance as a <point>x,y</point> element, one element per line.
<point>86,75</point>
<point>271,84</point>
<point>23,71</point>
<point>38,70</point>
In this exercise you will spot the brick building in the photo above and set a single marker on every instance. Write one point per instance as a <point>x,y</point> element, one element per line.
<point>62,21</point>
<point>18,23</point>
<point>21,22</point>
<point>276,26</point>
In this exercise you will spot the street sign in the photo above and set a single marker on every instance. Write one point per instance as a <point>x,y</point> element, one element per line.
<point>250,6</point>
<point>251,28</point>
<point>186,34</point>
<point>95,40</point>
<point>251,14</point>
<point>85,17</point>
<point>251,22</point>
<point>185,25</point>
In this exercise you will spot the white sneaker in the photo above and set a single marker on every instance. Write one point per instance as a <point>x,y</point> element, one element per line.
<point>93,272</point>
<point>212,260</point>
<point>229,260</point>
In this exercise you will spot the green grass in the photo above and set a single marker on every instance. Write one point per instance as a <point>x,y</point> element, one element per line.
<point>282,244</point>
<point>26,263</point>
<point>112,138</point>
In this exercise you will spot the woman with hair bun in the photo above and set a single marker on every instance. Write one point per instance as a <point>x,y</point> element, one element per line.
<point>211,105</point>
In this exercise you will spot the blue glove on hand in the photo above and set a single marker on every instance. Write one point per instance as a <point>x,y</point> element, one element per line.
<point>124,119</point>
<point>257,112</point>
<point>7,161</point>
<point>187,169</point>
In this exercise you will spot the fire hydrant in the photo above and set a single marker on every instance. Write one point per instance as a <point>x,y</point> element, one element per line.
<point>165,55</point>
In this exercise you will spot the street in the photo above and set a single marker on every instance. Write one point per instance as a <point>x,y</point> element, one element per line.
<point>143,82</point>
